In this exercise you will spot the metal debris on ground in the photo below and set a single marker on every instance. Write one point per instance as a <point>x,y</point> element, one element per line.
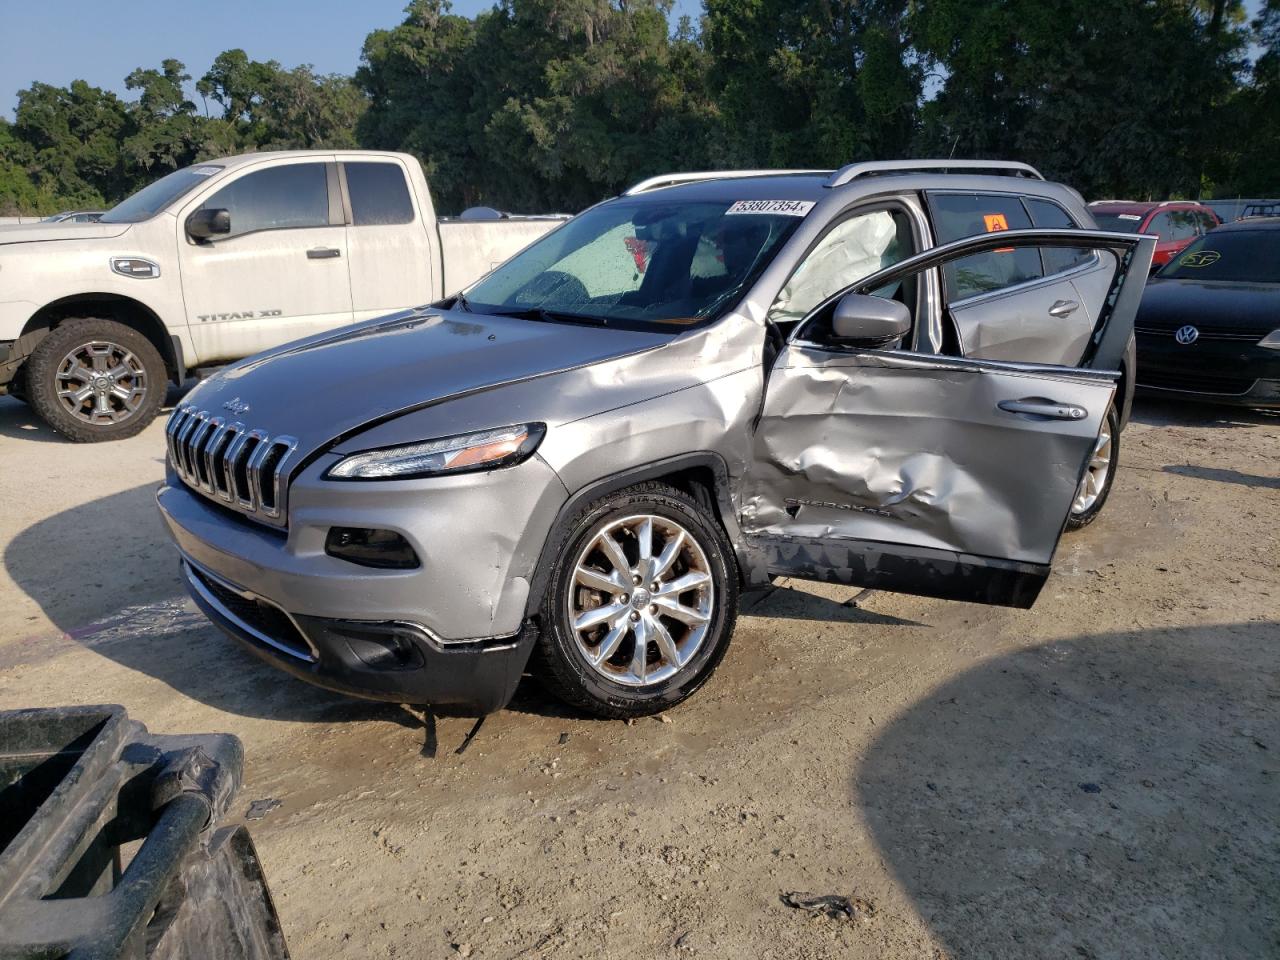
<point>260,808</point>
<point>833,906</point>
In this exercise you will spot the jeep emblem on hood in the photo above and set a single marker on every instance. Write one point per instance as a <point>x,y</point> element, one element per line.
<point>236,406</point>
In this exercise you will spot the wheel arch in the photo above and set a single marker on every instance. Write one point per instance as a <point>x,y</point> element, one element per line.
<point>124,310</point>
<point>703,475</point>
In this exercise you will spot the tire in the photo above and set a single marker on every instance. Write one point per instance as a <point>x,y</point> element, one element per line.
<point>93,379</point>
<point>1101,474</point>
<point>681,650</point>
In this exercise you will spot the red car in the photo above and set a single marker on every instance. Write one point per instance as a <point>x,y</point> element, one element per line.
<point>1176,222</point>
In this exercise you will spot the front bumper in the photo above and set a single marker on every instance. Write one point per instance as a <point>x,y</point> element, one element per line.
<point>397,662</point>
<point>450,632</point>
<point>1236,372</point>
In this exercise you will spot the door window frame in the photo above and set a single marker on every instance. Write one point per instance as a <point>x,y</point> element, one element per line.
<point>337,214</point>
<point>1129,248</point>
<point>909,203</point>
<point>1012,289</point>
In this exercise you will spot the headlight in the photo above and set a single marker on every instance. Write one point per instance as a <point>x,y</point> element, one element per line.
<point>1271,341</point>
<point>486,450</point>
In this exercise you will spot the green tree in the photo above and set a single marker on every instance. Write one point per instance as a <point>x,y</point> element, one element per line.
<point>1116,97</point>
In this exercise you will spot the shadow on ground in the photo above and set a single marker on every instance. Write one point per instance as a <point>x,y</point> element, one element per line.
<point>19,421</point>
<point>1107,796</point>
<point>1222,475</point>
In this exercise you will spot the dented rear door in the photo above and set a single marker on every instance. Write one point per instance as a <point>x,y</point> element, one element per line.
<point>929,474</point>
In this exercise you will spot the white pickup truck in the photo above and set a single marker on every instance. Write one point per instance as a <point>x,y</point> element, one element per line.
<point>219,261</point>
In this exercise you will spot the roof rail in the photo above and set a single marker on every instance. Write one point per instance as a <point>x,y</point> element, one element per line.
<point>872,167</point>
<point>1112,200</point>
<point>675,179</point>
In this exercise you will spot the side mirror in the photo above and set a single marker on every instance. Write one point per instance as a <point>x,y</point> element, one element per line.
<point>868,321</point>
<point>204,224</point>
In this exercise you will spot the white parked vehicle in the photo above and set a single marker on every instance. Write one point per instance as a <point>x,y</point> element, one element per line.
<point>216,262</point>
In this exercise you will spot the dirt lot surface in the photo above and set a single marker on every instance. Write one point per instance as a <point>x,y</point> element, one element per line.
<point>1097,777</point>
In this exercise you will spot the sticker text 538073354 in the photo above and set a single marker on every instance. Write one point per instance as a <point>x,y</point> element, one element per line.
<point>788,208</point>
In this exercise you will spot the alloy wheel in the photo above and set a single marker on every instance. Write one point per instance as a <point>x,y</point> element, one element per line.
<point>101,383</point>
<point>1094,481</point>
<point>640,602</point>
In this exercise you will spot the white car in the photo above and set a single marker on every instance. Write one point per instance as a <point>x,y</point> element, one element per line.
<point>219,261</point>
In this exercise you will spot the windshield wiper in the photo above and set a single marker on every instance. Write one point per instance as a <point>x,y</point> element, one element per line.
<point>460,300</point>
<point>552,316</point>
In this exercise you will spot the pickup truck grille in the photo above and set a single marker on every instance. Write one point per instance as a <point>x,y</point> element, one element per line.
<point>241,467</point>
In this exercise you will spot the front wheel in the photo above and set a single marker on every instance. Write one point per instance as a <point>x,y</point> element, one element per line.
<point>1099,475</point>
<point>93,379</point>
<point>641,603</point>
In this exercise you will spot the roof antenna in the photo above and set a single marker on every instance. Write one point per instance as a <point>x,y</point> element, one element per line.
<point>952,154</point>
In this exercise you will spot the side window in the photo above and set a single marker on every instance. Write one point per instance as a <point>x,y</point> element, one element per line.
<point>1047,215</point>
<point>960,215</point>
<point>379,194</point>
<point>1184,225</point>
<point>295,195</point>
<point>1207,222</point>
<point>1161,225</point>
<point>854,248</point>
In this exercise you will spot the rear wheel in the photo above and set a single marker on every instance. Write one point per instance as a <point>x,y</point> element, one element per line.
<point>1095,485</point>
<point>641,604</point>
<point>93,379</point>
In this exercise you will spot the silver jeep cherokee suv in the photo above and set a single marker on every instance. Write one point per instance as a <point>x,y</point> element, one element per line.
<point>894,375</point>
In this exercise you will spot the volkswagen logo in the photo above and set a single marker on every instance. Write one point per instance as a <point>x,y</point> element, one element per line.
<point>1187,335</point>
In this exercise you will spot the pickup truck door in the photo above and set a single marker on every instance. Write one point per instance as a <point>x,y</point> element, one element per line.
<point>391,244</point>
<point>928,474</point>
<point>280,274</point>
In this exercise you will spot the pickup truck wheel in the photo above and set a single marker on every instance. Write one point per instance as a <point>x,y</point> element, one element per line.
<point>93,379</point>
<point>641,604</point>
<point>1095,485</point>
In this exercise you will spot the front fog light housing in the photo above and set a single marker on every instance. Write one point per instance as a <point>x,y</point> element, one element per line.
<point>370,548</point>
<point>1271,341</point>
<point>467,453</point>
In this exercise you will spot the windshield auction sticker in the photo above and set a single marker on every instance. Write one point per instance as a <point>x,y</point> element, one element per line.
<point>787,208</point>
<point>1201,258</point>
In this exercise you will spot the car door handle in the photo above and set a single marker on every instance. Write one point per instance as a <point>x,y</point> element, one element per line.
<point>1064,308</point>
<point>1042,409</point>
<point>323,253</point>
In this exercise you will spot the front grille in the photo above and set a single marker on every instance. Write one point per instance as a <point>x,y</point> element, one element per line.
<point>1194,383</point>
<point>1161,328</point>
<point>264,621</point>
<point>242,467</point>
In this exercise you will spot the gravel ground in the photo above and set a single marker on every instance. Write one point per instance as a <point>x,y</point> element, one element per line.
<point>1097,777</point>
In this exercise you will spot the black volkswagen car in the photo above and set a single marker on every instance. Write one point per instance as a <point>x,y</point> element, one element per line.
<point>1209,325</point>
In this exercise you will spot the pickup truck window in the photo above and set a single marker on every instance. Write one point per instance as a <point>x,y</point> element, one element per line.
<point>296,195</point>
<point>854,248</point>
<point>646,261</point>
<point>154,197</point>
<point>379,195</point>
<point>960,215</point>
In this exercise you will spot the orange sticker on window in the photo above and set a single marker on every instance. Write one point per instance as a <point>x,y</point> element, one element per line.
<point>995,221</point>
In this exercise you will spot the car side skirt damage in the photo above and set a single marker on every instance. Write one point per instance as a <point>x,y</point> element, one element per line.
<point>900,568</point>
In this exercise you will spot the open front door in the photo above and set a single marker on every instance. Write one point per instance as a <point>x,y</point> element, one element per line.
<point>932,474</point>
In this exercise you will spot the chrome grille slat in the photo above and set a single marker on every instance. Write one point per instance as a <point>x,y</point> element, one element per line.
<point>240,467</point>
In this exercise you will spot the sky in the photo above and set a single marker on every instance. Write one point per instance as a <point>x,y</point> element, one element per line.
<point>57,41</point>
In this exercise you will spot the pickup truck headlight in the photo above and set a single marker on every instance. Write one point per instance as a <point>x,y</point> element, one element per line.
<point>1271,341</point>
<point>486,450</point>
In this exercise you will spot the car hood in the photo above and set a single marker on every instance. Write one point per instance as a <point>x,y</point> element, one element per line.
<point>1169,304</point>
<point>329,386</point>
<point>41,232</point>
